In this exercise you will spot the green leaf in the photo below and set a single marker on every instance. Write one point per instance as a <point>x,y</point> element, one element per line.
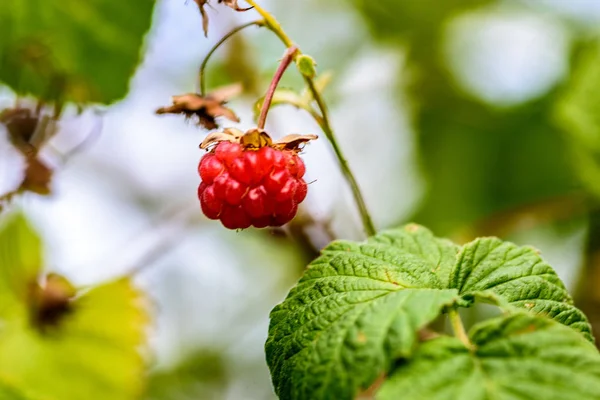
<point>358,307</point>
<point>8,392</point>
<point>518,357</point>
<point>82,51</point>
<point>20,263</point>
<point>419,241</point>
<point>514,278</point>
<point>95,344</point>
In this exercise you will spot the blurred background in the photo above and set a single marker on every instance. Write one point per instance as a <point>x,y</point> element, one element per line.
<point>471,117</point>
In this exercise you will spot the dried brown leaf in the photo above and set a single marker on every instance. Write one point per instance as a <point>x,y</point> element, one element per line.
<point>234,4</point>
<point>228,134</point>
<point>256,138</point>
<point>224,93</point>
<point>206,108</point>
<point>201,4</point>
<point>293,141</point>
<point>37,177</point>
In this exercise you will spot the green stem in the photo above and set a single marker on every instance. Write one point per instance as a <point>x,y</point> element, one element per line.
<point>459,329</point>
<point>287,59</point>
<point>368,225</point>
<point>259,23</point>
<point>272,24</point>
<point>323,121</point>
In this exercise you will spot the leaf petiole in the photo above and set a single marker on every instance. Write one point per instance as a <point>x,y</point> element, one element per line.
<point>459,329</point>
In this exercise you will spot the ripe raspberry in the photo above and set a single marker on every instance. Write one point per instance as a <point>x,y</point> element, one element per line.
<point>249,181</point>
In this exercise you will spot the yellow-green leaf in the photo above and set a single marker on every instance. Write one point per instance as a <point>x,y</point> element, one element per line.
<point>95,346</point>
<point>20,263</point>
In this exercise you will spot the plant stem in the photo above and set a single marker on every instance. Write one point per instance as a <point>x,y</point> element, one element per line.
<point>287,59</point>
<point>367,222</point>
<point>324,122</point>
<point>459,329</point>
<point>272,23</point>
<point>258,23</point>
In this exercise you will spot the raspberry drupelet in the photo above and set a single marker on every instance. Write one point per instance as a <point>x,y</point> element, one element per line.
<point>248,180</point>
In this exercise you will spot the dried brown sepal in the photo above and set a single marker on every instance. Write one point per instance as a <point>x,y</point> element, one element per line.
<point>37,177</point>
<point>255,139</point>
<point>234,4</point>
<point>51,301</point>
<point>201,4</point>
<point>28,130</point>
<point>228,135</point>
<point>205,108</point>
<point>293,142</point>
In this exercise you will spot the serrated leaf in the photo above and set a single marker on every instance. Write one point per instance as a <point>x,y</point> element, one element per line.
<point>96,345</point>
<point>356,309</point>
<point>515,277</point>
<point>82,51</point>
<point>518,357</point>
<point>20,263</point>
<point>419,241</point>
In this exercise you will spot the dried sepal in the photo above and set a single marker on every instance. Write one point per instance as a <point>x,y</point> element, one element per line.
<point>29,129</point>
<point>201,4</point>
<point>229,3</point>
<point>228,135</point>
<point>51,301</point>
<point>293,142</point>
<point>205,108</point>
<point>234,4</point>
<point>255,139</point>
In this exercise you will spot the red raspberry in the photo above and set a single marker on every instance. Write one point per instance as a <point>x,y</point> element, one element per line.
<point>245,187</point>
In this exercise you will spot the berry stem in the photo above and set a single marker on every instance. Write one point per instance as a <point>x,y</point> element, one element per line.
<point>259,23</point>
<point>322,120</point>
<point>287,59</point>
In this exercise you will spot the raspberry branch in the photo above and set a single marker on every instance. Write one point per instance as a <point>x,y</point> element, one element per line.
<point>324,122</point>
<point>202,74</point>
<point>287,59</point>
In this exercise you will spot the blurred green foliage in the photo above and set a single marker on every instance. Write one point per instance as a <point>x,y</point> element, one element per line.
<point>202,374</point>
<point>80,51</point>
<point>578,111</point>
<point>478,159</point>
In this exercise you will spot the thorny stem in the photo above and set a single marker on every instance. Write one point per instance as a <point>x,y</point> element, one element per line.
<point>459,329</point>
<point>258,23</point>
<point>324,122</point>
<point>287,59</point>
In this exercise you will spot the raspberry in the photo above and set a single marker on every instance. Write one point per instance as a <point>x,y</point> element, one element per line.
<point>247,185</point>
